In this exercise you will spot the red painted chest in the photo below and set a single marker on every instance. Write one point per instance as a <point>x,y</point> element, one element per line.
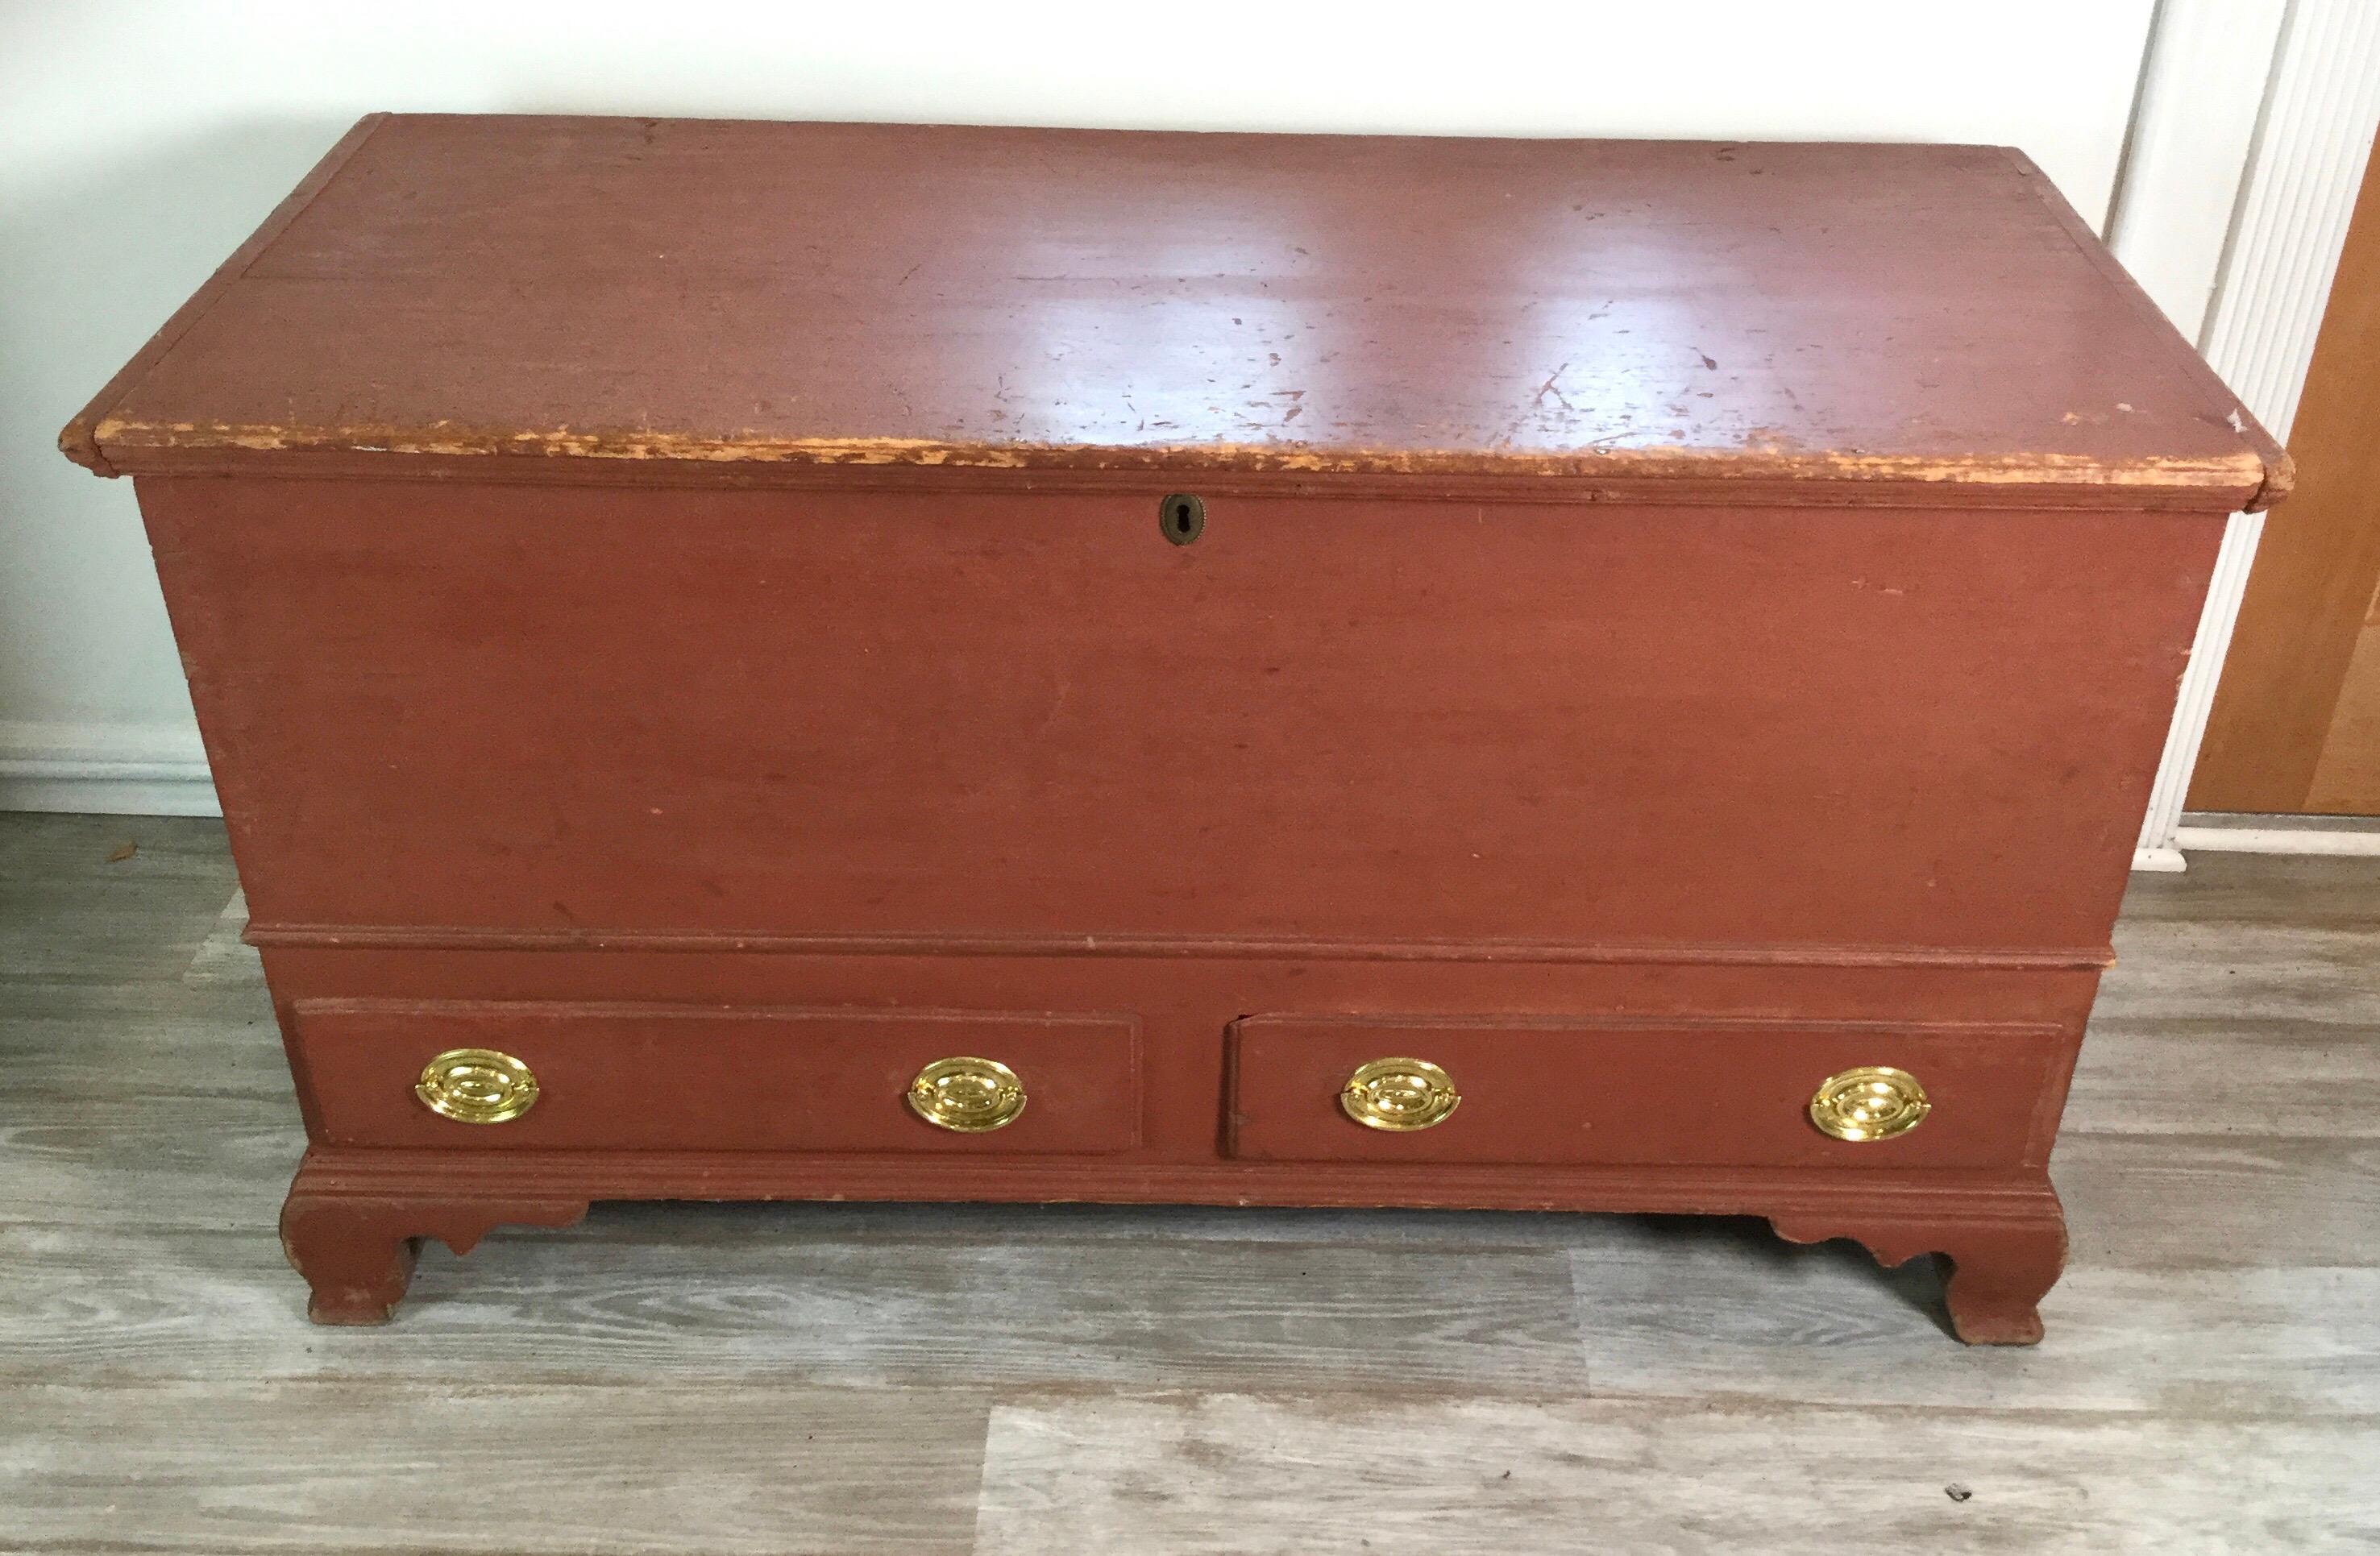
<point>780,660</point>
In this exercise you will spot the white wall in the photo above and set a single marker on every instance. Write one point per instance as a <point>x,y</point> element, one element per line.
<point>140,142</point>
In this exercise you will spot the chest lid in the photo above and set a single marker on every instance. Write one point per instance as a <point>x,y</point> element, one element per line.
<point>684,299</point>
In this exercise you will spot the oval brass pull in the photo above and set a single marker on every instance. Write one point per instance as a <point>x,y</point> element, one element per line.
<point>1399,1094</point>
<point>1874,1103</point>
<point>477,1086</point>
<point>972,1096</point>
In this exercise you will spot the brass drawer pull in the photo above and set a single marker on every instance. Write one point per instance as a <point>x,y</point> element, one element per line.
<point>1399,1094</point>
<point>477,1086</point>
<point>972,1096</point>
<point>1874,1103</point>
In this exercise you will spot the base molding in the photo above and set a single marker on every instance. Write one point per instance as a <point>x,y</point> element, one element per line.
<point>104,770</point>
<point>355,1216</point>
<point>2336,841</point>
<point>2237,833</point>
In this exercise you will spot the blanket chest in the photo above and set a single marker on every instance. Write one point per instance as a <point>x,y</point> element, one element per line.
<point>779,661</point>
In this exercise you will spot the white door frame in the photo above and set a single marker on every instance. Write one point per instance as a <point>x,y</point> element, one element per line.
<point>2301,78</point>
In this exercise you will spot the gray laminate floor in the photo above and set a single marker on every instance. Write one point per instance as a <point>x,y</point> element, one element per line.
<point>919,1379</point>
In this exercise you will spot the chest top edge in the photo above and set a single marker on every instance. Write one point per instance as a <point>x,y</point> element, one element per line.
<point>771,296</point>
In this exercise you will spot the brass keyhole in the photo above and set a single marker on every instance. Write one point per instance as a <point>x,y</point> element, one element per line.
<point>1181,516</point>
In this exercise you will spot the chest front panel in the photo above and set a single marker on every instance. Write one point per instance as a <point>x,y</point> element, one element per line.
<point>1020,718</point>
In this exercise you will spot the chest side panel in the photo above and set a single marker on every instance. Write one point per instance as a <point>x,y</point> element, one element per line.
<point>591,710</point>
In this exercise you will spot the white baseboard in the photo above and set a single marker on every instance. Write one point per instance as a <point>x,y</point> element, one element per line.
<point>2166,859</point>
<point>104,768</point>
<point>2278,840</point>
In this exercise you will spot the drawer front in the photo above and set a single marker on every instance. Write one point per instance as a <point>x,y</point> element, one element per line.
<point>653,1077</point>
<point>1736,1093</point>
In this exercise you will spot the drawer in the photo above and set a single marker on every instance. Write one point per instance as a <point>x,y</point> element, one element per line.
<point>657,1076</point>
<point>1731,1093</point>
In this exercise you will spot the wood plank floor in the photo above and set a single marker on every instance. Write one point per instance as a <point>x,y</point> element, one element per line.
<point>859,1378</point>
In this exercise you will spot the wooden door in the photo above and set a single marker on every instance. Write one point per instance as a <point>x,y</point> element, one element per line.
<point>2296,724</point>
